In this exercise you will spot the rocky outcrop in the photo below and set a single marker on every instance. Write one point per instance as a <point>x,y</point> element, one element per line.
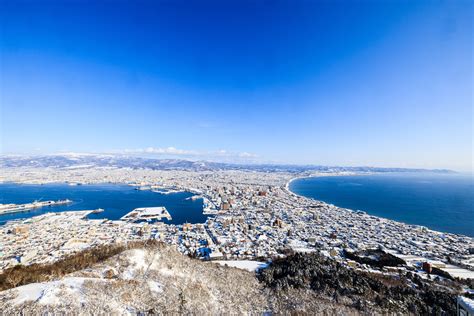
<point>373,293</point>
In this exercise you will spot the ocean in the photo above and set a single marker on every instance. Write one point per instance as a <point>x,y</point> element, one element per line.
<point>116,200</point>
<point>443,202</point>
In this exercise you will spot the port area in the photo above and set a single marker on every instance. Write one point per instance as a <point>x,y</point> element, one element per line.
<point>16,208</point>
<point>147,214</point>
<point>157,188</point>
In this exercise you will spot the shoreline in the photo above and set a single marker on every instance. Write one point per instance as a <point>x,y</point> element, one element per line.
<point>321,175</point>
<point>287,188</point>
<point>66,185</point>
<point>331,231</point>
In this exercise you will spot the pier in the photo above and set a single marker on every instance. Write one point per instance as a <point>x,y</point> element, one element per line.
<point>147,213</point>
<point>16,208</point>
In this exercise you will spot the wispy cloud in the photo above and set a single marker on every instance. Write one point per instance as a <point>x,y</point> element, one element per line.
<point>162,151</point>
<point>247,155</point>
<point>225,153</point>
<point>221,155</point>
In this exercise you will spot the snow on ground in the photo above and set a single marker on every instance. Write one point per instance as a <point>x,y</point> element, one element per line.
<point>155,286</point>
<point>169,273</point>
<point>300,246</point>
<point>50,292</point>
<point>120,286</point>
<point>248,265</point>
<point>458,272</point>
<point>136,259</point>
<point>73,290</point>
<point>84,166</point>
<point>304,250</point>
<point>30,292</point>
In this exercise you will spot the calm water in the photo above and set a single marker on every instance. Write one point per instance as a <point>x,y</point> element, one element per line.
<point>116,200</point>
<point>440,202</point>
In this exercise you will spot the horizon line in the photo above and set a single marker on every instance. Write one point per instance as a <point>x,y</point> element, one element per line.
<point>166,156</point>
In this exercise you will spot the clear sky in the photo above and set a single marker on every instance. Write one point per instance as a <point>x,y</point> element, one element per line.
<point>380,83</point>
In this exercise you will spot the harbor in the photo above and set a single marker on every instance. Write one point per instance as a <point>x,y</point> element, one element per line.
<point>147,214</point>
<point>254,216</point>
<point>116,201</point>
<point>17,208</point>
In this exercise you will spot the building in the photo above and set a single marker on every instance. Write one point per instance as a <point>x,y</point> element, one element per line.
<point>187,227</point>
<point>19,230</point>
<point>465,306</point>
<point>225,206</point>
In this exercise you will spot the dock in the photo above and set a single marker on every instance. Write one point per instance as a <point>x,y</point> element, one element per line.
<point>16,208</point>
<point>147,213</point>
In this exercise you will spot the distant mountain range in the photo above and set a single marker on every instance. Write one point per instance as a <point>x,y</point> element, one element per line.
<point>122,161</point>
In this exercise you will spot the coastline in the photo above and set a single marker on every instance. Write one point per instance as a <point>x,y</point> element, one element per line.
<point>320,175</point>
<point>53,187</point>
<point>329,231</point>
<point>287,188</point>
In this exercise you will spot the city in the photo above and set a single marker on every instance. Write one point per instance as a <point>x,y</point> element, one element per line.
<point>282,157</point>
<point>253,217</point>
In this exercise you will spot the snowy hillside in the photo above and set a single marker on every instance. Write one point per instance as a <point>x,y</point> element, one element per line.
<point>138,280</point>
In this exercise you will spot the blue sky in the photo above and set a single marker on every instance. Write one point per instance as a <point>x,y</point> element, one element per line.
<point>381,83</point>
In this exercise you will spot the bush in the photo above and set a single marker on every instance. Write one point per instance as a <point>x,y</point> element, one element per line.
<point>22,275</point>
<point>329,278</point>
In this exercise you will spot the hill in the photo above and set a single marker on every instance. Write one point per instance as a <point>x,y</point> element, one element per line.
<point>156,279</point>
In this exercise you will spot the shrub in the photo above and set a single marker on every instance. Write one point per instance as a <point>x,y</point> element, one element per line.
<point>22,275</point>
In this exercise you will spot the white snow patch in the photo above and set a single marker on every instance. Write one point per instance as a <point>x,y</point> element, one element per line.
<point>50,293</point>
<point>136,260</point>
<point>248,265</point>
<point>298,245</point>
<point>78,166</point>
<point>458,272</point>
<point>155,286</point>
<point>304,250</point>
<point>136,257</point>
<point>30,292</point>
<point>169,272</point>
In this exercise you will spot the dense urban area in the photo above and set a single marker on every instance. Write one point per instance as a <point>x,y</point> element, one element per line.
<point>253,220</point>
